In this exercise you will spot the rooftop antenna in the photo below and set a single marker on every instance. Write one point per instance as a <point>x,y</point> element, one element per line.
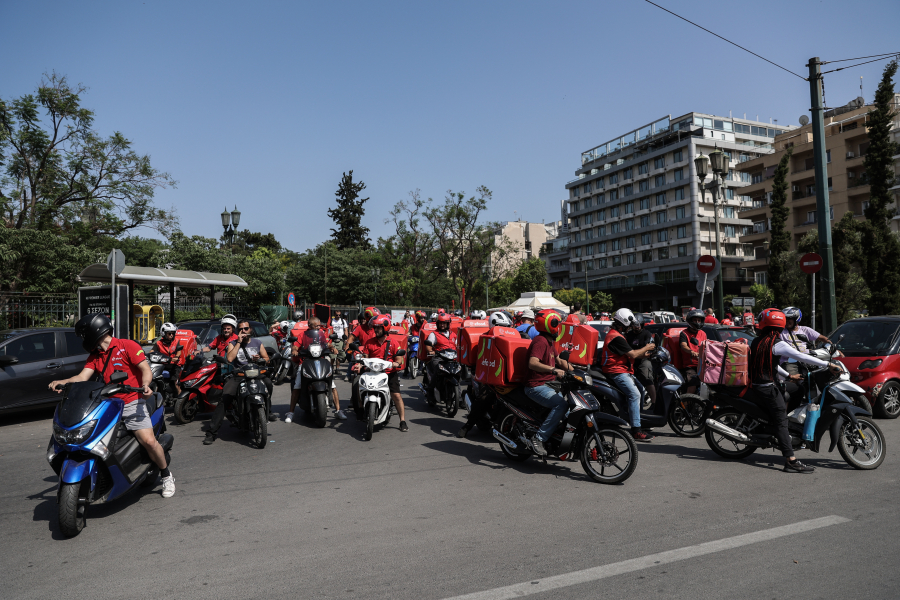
<point>860,88</point>
<point>745,115</point>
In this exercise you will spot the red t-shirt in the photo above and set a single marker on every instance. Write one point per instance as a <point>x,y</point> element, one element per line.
<point>711,319</point>
<point>416,329</point>
<point>363,334</point>
<point>126,356</point>
<point>543,350</point>
<point>307,338</point>
<point>686,359</point>
<point>386,351</point>
<point>168,350</point>
<point>220,344</point>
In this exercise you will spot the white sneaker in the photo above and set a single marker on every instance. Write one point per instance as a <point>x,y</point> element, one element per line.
<point>288,417</point>
<point>168,486</point>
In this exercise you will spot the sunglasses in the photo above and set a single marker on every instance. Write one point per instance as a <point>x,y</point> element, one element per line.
<point>245,329</point>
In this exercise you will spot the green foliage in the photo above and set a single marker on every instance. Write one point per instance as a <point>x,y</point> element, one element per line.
<point>793,288</point>
<point>273,314</point>
<point>531,276</point>
<point>780,242</point>
<point>349,275</point>
<point>600,301</point>
<point>348,215</point>
<point>40,261</point>
<point>763,295</point>
<point>247,242</point>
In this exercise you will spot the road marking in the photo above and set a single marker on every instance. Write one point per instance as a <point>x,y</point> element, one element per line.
<point>528,588</point>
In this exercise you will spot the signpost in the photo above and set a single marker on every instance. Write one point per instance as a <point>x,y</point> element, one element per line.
<point>291,298</point>
<point>706,264</point>
<point>811,264</point>
<point>115,262</point>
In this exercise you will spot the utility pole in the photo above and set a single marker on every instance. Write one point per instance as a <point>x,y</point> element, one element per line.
<point>823,211</point>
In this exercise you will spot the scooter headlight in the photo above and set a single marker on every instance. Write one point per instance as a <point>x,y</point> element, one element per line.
<point>315,350</point>
<point>414,339</point>
<point>588,380</point>
<point>73,436</point>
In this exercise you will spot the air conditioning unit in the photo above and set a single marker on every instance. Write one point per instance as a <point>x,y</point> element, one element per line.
<point>796,188</point>
<point>850,174</point>
<point>851,155</point>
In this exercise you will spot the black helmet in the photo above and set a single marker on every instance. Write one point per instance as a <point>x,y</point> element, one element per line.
<point>694,314</point>
<point>638,320</point>
<point>91,329</point>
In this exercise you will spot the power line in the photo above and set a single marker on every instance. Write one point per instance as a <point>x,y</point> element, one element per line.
<point>859,58</point>
<point>726,39</point>
<point>858,64</point>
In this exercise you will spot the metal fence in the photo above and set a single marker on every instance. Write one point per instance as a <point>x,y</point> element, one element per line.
<point>19,312</point>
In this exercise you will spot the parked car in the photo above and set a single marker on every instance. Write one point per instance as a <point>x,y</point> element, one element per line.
<point>719,333</point>
<point>30,359</point>
<point>602,328</point>
<point>207,330</point>
<point>871,349</point>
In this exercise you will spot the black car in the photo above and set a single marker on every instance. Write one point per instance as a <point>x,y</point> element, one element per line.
<point>719,333</point>
<point>30,359</point>
<point>207,330</point>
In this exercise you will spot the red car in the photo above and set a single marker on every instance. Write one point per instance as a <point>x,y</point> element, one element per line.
<point>871,348</point>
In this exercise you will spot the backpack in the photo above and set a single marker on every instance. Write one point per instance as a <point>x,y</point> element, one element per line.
<point>671,343</point>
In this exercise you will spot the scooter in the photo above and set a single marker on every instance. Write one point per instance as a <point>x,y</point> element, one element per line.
<point>161,366</point>
<point>282,363</point>
<point>374,395</point>
<point>201,388</point>
<point>316,377</point>
<point>251,407</point>
<point>447,372</point>
<point>96,458</point>
<point>412,365</point>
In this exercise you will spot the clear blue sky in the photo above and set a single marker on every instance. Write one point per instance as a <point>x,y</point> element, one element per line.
<point>264,105</point>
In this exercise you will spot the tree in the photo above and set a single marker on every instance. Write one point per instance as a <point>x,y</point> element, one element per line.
<point>780,236</point>
<point>882,265</point>
<point>763,295</point>
<point>247,242</point>
<point>531,276</point>
<point>793,288</point>
<point>39,262</point>
<point>348,215</point>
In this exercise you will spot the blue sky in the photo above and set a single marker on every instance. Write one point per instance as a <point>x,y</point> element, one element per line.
<point>264,105</point>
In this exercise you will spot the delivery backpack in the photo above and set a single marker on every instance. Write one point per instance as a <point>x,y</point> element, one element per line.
<point>671,343</point>
<point>724,363</point>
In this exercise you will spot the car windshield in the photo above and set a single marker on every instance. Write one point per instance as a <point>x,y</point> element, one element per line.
<point>866,338</point>
<point>602,330</point>
<point>733,335</point>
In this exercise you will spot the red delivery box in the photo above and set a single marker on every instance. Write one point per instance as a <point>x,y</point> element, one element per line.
<point>299,328</point>
<point>671,343</point>
<point>501,359</point>
<point>188,341</point>
<point>398,336</point>
<point>427,328</point>
<point>467,341</point>
<point>580,341</point>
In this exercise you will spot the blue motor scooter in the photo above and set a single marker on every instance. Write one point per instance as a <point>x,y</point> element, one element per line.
<point>412,365</point>
<point>96,458</point>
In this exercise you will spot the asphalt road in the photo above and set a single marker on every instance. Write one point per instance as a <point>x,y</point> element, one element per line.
<point>320,513</point>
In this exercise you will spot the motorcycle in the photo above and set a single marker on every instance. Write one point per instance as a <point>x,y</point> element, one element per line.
<point>447,372</point>
<point>281,363</point>
<point>316,376</point>
<point>96,458</point>
<point>413,367</point>
<point>737,427</point>
<point>251,407</point>
<point>796,395</point>
<point>601,441</point>
<point>201,388</point>
<point>161,366</point>
<point>373,393</point>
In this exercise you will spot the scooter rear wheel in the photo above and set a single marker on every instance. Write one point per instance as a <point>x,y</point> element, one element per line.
<point>185,409</point>
<point>724,446</point>
<point>686,416</point>
<point>71,515</point>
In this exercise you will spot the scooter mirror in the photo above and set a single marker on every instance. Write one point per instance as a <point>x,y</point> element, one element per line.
<point>401,353</point>
<point>292,339</point>
<point>564,355</point>
<point>118,377</point>
<point>220,359</point>
<point>354,346</point>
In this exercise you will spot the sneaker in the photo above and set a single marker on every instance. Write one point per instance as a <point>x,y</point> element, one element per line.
<point>168,486</point>
<point>288,417</point>
<point>538,446</point>
<point>339,415</point>
<point>210,438</point>
<point>404,426</point>
<point>463,432</point>
<point>641,436</point>
<point>796,466</point>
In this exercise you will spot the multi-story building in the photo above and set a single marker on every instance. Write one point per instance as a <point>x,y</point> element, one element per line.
<point>555,253</point>
<point>846,143</point>
<point>637,222</point>
<point>524,239</point>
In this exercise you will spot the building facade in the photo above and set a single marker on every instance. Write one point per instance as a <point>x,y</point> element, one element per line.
<point>555,253</point>
<point>524,240</point>
<point>637,222</point>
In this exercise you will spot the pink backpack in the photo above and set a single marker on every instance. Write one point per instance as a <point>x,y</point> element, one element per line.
<point>724,363</point>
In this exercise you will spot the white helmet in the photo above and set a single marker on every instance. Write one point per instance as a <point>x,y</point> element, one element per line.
<point>479,314</point>
<point>285,326</point>
<point>229,320</point>
<point>502,319</point>
<point>624,316</point>
<point>433,317</point>
<point>167,328</point>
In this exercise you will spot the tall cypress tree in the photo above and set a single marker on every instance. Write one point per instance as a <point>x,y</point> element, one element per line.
<point>348,215</point>
<point>882,267</point>
<point>780,241</point>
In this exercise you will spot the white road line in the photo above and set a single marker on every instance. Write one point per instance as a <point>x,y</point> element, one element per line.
<point>528,588</point>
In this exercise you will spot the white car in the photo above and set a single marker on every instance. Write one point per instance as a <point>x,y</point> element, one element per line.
<point>602,328</point>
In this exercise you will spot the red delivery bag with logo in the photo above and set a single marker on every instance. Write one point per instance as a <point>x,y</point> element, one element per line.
<point>188,341</point>
<point>467,340</point>
<point>580,341</point>
<point>299,328</point>
<point>427,328</point>
<point>398,335</point>
<point>670,343</point>
<point>502,357</point>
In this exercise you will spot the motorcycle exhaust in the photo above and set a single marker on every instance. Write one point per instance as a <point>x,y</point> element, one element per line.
<point>504,440</point>
<point>726,430</point>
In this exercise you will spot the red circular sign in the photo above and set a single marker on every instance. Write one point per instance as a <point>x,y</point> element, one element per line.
<point>811,263</point>
<point>706,264</point>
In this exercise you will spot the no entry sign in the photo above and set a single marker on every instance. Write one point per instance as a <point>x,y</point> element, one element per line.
<point>291,298</point>
<point>811,263</point>
<point>706,264</point>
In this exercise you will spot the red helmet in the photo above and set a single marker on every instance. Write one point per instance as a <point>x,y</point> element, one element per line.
<point>380,321</point>
<point>444,318</point>
<point>370,312</point>
<point>420,314</point>
<point>548,321</point>
<point>772,317</point>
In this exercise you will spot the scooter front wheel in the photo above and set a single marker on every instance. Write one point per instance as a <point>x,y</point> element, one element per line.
<point>451,401</point>
<point>71,515</point>
<point>686,415</point>
<point>321,409</point>
<point>371,415</point>
<point>259,422</point>
<point>185,409</point>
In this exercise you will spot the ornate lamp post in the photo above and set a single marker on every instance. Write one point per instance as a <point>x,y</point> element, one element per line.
<point>230,222</point>
<point>718,160</point>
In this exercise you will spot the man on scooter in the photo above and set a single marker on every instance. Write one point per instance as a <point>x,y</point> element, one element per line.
<point>421,319</point>
<point>638,337</point>
<point>363,332</point>
<point>381,346</point>
<point>442,339</point>
<point>792,329</point>
<point>763,370</point>
<point>167,346</point>
<point>689,341</point>
<point>542,369</point>
<point>226,336</point>
<point>316,334</point>
<point>107,353</point>
<point>616,362</point>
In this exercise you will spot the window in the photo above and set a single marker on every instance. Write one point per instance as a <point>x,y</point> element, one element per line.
<point>588,219</point>
<point>588,265</point>
<point>643,168</point>
<point>661,199</point>
<point>678,156</point>
<point>587,188</point>
<point>679,174</point>
<point>679,212</point>
<point>630,242</point>
<point>729,212</point>
<point>645,221</point>
<point>745,177</point>
<point>575,221</point>
<point>614,228</point>
<point>587,203</point>
<point>662,235</point>
<point>645,239</point>
<point>682,249</point>
<point>646,255</point>
<point>629,225</point>
<point>576,252</point>
<point>601,214</point>
<point>730,249</point>
<point>761,278</point>
<point>828,156</point>
<point>601,231</point>
<point>600,199</point>
<point>659,180</point>
<point>629,190</point>
<point>576,237</point>
<point>613,195</point>
<point>32,348</point>
<point>759,227</point>
<point>613,178</point>
<point>601,248</point>
<point>661,217</point>
<point>601,263</point>
<point>628,173</point>
<point>663,253</point>
<point>575,190</point>
<point>616,244</point>
<point>589,234</point>
<point>73,344</point>
<point>738,128</point>
<point>644,185</point>
<point>659,162</point>
<point>679,194</point>
<point>589,250</point>
<point>811,217</point>
<point>645,203</point>
<point>681,232</point>
<point>630,259</point>
<point>629,208</point>
<point>617,261</point>
<point>729,231</point>
<point>729,194</point>
<point>614,212</point>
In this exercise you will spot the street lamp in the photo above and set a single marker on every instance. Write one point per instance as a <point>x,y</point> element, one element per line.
<point>718,160</point>
<point>487,270</point>
<point>376,273</point>
<point>766,249</point>
<point>230,222</point>
<point>588,294</point>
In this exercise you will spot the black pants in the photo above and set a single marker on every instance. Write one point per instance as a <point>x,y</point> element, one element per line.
<point>229,392</point>
<point>481,403</point>
<point>430,367</point>
<point>771,399</point>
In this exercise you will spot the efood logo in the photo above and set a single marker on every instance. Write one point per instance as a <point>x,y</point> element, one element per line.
<point>488,363</point>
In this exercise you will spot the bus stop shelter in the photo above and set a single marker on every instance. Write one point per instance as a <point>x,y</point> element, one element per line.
<point>98,272</point>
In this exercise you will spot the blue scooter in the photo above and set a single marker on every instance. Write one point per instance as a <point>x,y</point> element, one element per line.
<point>96,458</point>
<point>412,365</point>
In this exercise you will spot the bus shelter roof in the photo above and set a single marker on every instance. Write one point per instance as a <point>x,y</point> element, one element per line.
<point>154,276</point>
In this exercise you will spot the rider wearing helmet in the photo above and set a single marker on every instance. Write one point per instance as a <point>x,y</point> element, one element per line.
<point>108,355</point>
<point>616,362</point>
<point>167,346</point>
<point>226,335</point>
<point>363,332</point>
<point>763,370</point>
<point>545,366</point>
<point>790,335</point>
<point>316,333</point>
<point>638,337</point>
<point>689,341</point>
<point>421,319</point>
<point>517,318</point>
<point>381,346</point>
<point>526,324</point>
<point>442,339</point>
<point>500,319</point>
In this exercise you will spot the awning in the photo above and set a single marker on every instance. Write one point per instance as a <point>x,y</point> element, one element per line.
<point>152,276</point>
<point>537,301</point>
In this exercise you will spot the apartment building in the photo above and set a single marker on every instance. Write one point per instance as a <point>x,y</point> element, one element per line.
<point>525,238</point>
<point>637,222</point>
<point>846,143</point>
<point>555,253</point>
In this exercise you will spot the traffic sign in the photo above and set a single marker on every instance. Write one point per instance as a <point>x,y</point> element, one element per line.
<point>737,301</point>
<point>115,262</point>
<point>706,264</point>
<point>291,298</point>
<point>811,263</point>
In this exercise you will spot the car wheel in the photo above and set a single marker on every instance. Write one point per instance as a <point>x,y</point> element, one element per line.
<point>887,406</point>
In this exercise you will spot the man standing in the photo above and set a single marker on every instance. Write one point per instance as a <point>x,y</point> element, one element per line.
<point>711,317</point>
<point>341,329</point>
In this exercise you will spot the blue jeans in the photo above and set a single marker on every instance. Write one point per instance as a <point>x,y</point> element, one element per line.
<point>547,396</point>
<point>631,387</point>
